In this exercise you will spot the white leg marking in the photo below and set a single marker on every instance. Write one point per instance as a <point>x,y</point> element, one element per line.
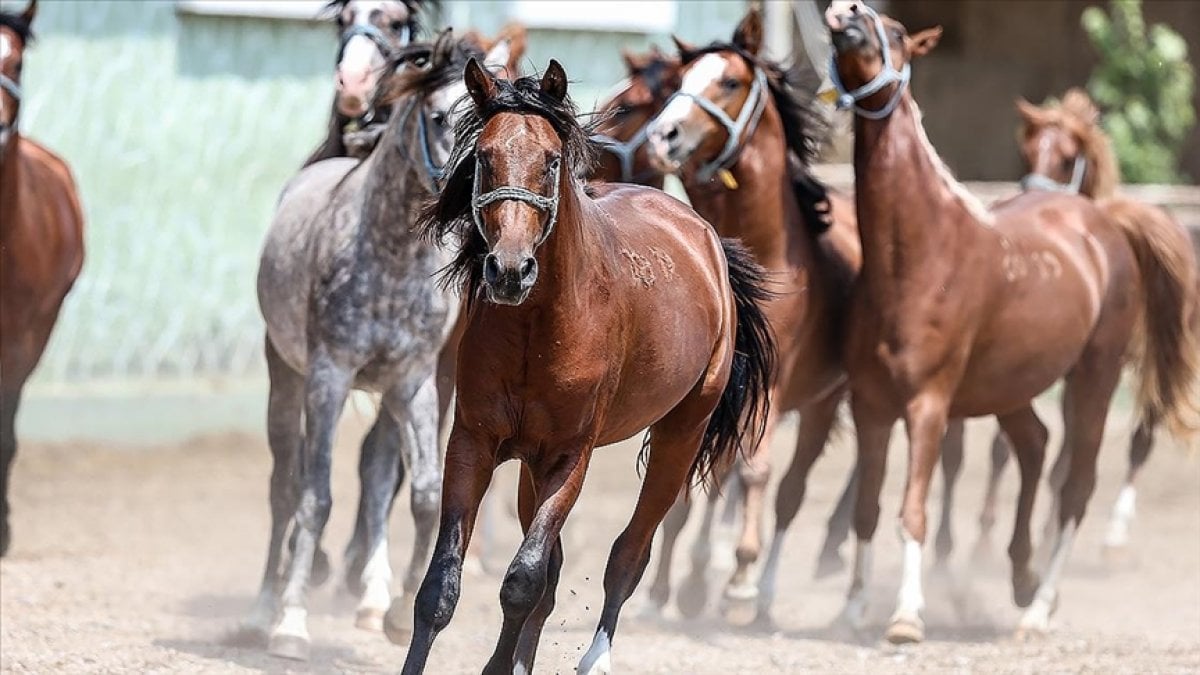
<point>1122,517</point>
<point>855,611</point>
<point>377,580</point>
<point>294,623</point>
<point>597,660</point>
<point>520,669</point>
<point>910,600</point>
<point>1037,618</point>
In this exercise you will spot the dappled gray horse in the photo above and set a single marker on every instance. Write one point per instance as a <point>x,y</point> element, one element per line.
<point>350,301</point>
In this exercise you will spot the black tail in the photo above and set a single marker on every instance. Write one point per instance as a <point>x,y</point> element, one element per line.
<point>741,414</point>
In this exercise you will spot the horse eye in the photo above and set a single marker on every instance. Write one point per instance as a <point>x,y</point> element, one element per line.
<point>341,21</point>
<point>439,118</point>
<point>398,26</point>
<point>730,84</point>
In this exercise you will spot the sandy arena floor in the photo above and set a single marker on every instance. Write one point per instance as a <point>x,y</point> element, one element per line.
<point>141,559</point>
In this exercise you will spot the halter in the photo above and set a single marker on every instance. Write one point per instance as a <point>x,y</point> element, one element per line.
<point>436,173</point>
<point>747,119</point>
<point>514,193</point>
<point>624,150</point>
<point>372,33</point>
<point>11,86</point>
<point>889,75</point>
<point>1037,181</point>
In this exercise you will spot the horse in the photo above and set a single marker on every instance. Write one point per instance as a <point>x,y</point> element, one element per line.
<point>1065,149</point>
<point>950,318</point>
<point>740,132</point>
<point>41,243</point>
<point>348,298</point>
<point>593,312</point>
<point>627,112</point>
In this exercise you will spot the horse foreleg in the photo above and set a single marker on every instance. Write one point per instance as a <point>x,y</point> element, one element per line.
<point>925,420</point>
<point>837,530</point>
<point>470,461</point>
<point>816,420</point>
<point>414,407</point>
<point>674,442</point>
<point>952,457</point>
<point>325,393</point>
<point>754,471</point>
<point>527,593</point>
<point>873,435</point>
<point>1125,508</point>
<point>380,473</point>
<point>1028,436</point>
<point>285,406</point>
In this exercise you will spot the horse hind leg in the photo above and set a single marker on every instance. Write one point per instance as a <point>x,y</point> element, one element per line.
<point>1028,437</point>
<point>1086,396</point>
<point>674,442</point>
<point>952,457</point>
<point>416,415</point>
<point>1116,540</point>
<point>285,404</point>
<point>741,591</point>
<point>987,514</point>
<point>10,401</point>
<point>816,421</point>
<point>692,597</point>
<point>837,529</point>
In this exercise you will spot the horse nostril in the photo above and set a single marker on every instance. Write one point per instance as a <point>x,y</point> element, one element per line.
<point>672,133</point>
<point>491,269</point>
<point>528,269</point>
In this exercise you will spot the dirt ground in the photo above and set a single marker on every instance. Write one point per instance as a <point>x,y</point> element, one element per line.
<point>141,559</point>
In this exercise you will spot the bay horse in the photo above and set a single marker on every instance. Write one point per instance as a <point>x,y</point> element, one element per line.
<point>593,312</point>
<point>651,78</point>
<point>346,290</point>
<point>740,133</point>
<point>950,318</point>
<point>41,243</point>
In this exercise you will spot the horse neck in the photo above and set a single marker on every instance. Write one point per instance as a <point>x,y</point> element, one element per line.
<point>911,211</point>
<point>569,258</point>
<point>754,211</point>
<point>10,183</point>
<point>394,188</point>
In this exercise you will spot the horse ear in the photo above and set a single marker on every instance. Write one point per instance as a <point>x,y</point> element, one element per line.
<point>630,60</point>
<point>480,84</point>
<point>923,42</point>
<point>1030,113</point>
<point>554,81</point>
<point>443,47</point>
<point>684,47</point>
<point>518,41</point>
<point>30,12</point>
<point>749,33</point>
<point>498,56</point>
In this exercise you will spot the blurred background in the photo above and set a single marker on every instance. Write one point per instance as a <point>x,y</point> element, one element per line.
<point>183,118</point>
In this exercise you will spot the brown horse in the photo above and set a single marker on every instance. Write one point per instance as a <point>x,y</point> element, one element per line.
<point>950,317</point>
<point>1065,149</point>
<point>593,313</point>
<point>740,132</point>
<point>652,77</point>
<point>41,243</point>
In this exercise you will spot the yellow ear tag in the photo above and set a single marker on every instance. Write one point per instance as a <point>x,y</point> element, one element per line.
<point>829,96</point>
<point>728,179</point>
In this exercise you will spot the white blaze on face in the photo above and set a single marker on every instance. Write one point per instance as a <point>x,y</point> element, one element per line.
<point>362,62</point>
<point>6,47</point>
<point>698,78</point>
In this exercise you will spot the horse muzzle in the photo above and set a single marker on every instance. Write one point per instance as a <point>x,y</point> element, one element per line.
<point>509,279</point>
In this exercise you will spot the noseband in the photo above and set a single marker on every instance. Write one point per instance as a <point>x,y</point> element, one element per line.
<point>747,120</point>
<point>1037,181</point>
<point>624,151</point>
<point>14,89</point>
<point>889,75</point>
<point>372,33</point>
<point>518,194</point>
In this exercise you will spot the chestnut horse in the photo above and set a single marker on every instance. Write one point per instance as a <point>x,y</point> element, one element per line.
<point>740,134</point>
<point>652,77</point>
<point>41,243</point>
<point>1065,149</point>
<point>594,312</point>
<point>964,311</point>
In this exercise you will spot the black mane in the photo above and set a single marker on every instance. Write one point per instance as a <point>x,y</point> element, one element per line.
<point>804,127</point>
<point>448,217</point>
<point>17,24</point>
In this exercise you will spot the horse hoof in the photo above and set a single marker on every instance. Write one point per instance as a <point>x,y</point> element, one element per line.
<point>829,564</point>
<point>739,611</point>
<point>692,596</point>
<point>320,569</point>
<point>369,618</point>
<point>247,636</point>
<point>763,622</point>
<point>905,631</point>
<point>1025,588</point>
<point>397,624</point>
<point>289,647</point>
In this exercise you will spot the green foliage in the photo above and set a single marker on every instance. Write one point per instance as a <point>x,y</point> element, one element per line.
<point>1144,84</point>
